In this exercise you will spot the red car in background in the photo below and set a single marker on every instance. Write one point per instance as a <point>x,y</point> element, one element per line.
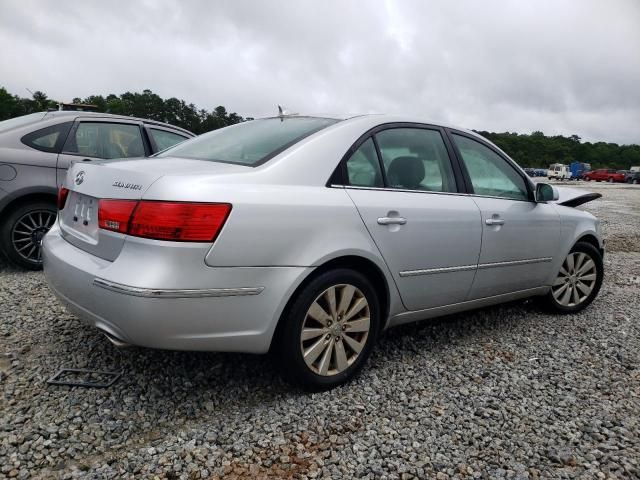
<point>604,174</point>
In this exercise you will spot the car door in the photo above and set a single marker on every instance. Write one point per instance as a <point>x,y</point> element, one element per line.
<point>100,139</point>
<point>520,237</point>
<point>402,182</point>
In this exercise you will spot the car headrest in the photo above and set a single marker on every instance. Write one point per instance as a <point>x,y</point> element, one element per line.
<point>406,172</point>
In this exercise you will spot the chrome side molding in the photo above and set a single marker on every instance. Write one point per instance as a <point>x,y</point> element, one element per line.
<point>481,266</point>
<point>175,293</point>
<point>514,262</point>
<point>432,271</point>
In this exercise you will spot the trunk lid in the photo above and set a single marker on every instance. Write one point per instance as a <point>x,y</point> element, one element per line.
<point>88,182</point>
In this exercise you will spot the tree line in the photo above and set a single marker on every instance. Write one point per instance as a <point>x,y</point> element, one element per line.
<point>539,150</point>
<point>529,150</point>
<point>144,105</point>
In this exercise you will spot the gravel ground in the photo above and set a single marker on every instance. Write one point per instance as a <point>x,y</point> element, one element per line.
<point>505,392</point>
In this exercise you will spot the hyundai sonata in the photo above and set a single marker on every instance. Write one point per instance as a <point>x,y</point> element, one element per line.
<point>308,236</point>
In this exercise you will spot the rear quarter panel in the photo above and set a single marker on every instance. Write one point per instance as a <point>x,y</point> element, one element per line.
<point>282,226</point>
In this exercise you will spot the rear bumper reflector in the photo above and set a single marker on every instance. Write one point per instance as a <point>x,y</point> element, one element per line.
<point>175,293</point>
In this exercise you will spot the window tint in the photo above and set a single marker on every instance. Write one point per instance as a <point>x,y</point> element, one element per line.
<point>106,140</point>
<point>416,159</point>
<point>363,168</point>
<point>165,139</point>
<point>250,143</point>
<point>48,139</point>
<point>490,173</point>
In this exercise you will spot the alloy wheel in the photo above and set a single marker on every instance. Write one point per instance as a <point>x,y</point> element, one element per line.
<point>335,329</point>
<point>576,280</point>
<point>28,231</point>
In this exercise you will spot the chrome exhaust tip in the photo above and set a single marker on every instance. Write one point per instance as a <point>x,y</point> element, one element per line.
<point>116,341</point>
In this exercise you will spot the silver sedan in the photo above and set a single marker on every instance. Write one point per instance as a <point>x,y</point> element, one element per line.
<point>308,236</point>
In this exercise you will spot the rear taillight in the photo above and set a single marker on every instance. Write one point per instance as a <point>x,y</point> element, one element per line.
<point>63,193</point>
<point>177,221</point>
<point>114,215</point>
<point>187,222</point>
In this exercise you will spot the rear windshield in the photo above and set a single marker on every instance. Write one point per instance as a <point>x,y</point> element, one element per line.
<point>20,121</point>
<point>250,143</point>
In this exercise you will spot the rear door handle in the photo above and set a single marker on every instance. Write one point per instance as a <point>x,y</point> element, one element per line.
<point>494,221</point>
<point>392,221</point>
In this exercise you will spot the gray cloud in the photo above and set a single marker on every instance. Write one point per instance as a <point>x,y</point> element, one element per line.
<point>557,66</point>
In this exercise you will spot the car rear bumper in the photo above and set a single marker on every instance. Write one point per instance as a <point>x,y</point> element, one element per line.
<point>191,307</point>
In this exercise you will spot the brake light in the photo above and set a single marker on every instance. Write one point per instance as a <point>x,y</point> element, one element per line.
<point>177,221</point>
<point>186,222</point>
<point>63,193</point>
<point>114,215</point>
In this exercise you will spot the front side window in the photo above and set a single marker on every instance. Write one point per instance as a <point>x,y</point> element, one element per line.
<point>416,159</point>
<point>48,139</point>
<point>106,140</point>
<point>490,173</point>
<point>249,143</point>
<point>164,139</point>
<point>363,168</point>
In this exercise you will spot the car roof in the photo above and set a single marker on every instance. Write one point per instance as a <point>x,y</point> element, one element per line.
<point>379,119</point>
<point>75,114</point>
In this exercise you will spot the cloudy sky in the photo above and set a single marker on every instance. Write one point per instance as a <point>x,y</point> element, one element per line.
<point>558,66</point>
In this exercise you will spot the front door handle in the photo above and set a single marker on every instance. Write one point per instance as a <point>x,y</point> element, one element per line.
<point>494,221</point>
<point>392,221</point>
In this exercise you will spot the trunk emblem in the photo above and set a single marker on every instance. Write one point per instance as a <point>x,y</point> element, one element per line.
<point>79,177</point>
<point>131,186</point>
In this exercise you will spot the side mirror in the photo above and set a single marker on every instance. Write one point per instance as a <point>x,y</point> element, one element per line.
<point>546,193</point>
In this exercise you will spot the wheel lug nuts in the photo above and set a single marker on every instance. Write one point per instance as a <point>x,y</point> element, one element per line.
<point>344,327</point>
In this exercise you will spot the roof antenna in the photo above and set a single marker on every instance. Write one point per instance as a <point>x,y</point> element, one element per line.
<point>283,112</point>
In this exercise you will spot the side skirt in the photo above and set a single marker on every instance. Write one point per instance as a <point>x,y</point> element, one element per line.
<point>414,316</point>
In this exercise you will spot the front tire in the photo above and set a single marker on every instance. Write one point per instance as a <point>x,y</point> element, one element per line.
<point>22,231</point>
<point>329,330</point>
<point>578,281</point>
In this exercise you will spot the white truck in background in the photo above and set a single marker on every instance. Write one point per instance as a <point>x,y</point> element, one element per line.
<point>559,171</point>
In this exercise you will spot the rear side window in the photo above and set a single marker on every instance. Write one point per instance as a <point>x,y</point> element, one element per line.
<point>106,140</point>
<point>363,168</point>
<point>165,139</point>
<point>250,143</point>
<point>416,159</point>
<point>49,139</point>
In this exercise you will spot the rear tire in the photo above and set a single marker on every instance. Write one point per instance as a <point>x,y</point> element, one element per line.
<point>22,231</point>
<point>319,346</point>
<point>578,281</point>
